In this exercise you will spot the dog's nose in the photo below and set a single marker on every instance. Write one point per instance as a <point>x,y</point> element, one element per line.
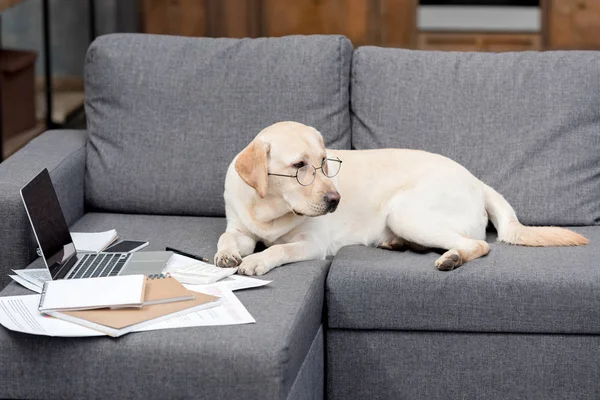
<point>332,199</point>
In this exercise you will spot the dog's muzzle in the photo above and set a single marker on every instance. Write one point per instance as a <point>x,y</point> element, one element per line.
<point>332,199</point>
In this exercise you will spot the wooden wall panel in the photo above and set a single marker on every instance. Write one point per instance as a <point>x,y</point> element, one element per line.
<point>398,23</point>
<point>573,24</point>
<point>494,42</point>
<point>175,17</point>
<point>235,18</point>
<point>193,18</point>
<point>347,17</point>
<point>364,22</point>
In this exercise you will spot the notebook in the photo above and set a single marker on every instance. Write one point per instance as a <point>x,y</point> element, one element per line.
<point>122,321</point>
<point>91,293</point>
<point>163,289</point>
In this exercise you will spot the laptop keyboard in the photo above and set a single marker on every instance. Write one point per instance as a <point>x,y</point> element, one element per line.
<point>95,265</point>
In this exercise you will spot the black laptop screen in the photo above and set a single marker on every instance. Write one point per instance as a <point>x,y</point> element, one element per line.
<point>49,224</point>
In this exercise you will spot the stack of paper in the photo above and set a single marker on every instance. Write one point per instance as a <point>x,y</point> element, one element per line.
<point>20,314</point>
<point>124,320</point>
<point>93,242</point>
<point>33,278</point>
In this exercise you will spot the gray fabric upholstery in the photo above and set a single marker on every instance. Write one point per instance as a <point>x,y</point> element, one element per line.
<point>256,361</point>
<point>513,289</point>
<point>63,153</point>
<point>528,124</point>
<point>310,382</point>
<point>465,366</point>
<point>164,129</point>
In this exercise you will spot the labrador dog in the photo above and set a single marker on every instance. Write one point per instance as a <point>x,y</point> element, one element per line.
<point>305,202</point>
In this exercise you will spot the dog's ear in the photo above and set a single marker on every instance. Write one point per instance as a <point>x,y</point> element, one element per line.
<point>251,166</point>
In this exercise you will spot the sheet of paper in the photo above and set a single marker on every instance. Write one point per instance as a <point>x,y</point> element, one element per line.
<point>25,283</point>
<point>19,313</point>
<point>233,282</point>
<point>37,276</point>
<point>179,261</point>
<point>231,312</point>
<point>93,242</point>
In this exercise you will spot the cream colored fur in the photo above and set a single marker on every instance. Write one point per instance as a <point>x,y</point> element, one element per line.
<point>389,198</point>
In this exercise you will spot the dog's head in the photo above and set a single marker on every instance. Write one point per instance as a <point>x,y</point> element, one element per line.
<point>281,160</point>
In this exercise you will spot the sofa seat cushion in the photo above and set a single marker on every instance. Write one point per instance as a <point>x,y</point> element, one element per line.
<point>512,289</point>
<point>526,123</point>
<point>166,115</point>
<point>254,361</point>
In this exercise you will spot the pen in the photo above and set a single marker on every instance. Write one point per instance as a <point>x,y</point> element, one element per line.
<point>183,253</point>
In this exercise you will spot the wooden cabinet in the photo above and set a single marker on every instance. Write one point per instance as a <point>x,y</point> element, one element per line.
<point>213,18</point>
<point>174,17</point>
<point>572,24</point>
<point>494,42</point>
<point>364,22</point>
<point>566,24</point>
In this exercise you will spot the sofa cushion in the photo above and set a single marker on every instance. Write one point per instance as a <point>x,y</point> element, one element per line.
<point>166,115</point>
<point>528,124</point>
<point>461,366</point>
<point>513,289</point>
<point>254,361</point>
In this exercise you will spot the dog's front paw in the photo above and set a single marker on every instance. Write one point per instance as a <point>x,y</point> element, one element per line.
<point>228,258</point>
<point>254,264</point>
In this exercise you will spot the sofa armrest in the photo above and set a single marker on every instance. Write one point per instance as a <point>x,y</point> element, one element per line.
<point>63,153</point>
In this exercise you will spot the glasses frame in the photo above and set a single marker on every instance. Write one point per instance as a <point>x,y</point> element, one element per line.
<point>337,159</point>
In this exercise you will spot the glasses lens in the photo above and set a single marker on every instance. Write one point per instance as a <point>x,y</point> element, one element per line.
<point>331,167</point>
<point>306,175</point>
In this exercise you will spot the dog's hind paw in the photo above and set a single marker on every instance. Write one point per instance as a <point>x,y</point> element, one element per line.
<point>449,261</point>
<point>228,258</point>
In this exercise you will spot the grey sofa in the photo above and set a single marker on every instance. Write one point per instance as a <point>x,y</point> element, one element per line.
<point>165,117</point>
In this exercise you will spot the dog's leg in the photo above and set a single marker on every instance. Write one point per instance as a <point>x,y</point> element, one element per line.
<point>437,234</point>
<point>232,246</point>
<point>396,244</point>
<point>279,254</point>
<point>463,250</point>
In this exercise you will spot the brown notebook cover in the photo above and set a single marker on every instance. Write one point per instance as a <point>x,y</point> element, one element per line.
<point>165,290</point>
<point>156,289</point>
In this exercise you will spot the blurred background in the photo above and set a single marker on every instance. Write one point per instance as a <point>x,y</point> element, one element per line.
<point>43,42</point>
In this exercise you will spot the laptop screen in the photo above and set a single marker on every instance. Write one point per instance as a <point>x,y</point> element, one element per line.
<point>49,224</point>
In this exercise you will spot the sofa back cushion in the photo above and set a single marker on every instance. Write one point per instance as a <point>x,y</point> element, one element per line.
<point>166,115</point>
<point>528,124</point>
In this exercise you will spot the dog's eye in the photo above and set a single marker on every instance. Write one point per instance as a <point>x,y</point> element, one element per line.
<point>299,164</point>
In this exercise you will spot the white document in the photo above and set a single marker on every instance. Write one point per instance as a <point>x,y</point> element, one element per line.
<point>233,282</point>
<point>20,314</point>
<point>191,271</point>
<point>230,312</point>
<point>37,276</point>
<point>93,242</point>
<point>25,283</point>
<point>90,293</point>
<point>178,261</point>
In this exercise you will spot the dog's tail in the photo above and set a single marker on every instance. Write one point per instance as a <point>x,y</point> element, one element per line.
<point>510,230</point>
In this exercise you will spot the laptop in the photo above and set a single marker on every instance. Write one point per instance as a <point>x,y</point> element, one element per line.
<point>58,251</point>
